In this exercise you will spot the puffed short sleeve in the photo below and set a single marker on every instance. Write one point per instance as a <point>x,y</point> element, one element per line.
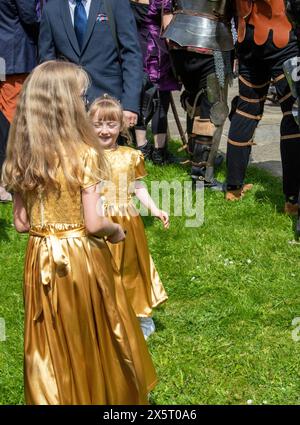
<point>91,171</point>
<point>140,170</point>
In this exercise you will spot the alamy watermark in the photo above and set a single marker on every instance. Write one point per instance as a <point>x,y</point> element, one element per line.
<point>177,198</point>
<point>295,72</point>
<point>2,69</point>
<point>296,331</point>
<point>2,330</point>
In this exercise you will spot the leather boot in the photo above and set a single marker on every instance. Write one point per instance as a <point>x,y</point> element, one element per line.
<point>146,150</point>
<point>158,156</point>
<point>291,209</point>
<point>237,194</point>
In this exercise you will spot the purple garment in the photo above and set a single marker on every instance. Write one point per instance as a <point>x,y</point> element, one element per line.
<point>157,63</point>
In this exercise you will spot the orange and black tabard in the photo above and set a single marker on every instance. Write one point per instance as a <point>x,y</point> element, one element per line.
<point>264,15</point>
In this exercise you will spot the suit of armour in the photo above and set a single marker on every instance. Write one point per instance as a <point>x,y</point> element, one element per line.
<point>265,41</point>
<point>200,42</point>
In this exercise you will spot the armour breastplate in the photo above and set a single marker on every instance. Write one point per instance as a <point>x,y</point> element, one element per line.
<point>201,23</point>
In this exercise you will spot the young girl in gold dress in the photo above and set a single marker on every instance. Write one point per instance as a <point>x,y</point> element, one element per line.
<point>83,343</point>
<point>139,275</point>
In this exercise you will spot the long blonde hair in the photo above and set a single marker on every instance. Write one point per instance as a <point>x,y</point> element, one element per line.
<point>107,108</point>
<point>50,129</point>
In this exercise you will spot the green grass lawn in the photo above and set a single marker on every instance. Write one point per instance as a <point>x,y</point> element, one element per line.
<point>225,334</point>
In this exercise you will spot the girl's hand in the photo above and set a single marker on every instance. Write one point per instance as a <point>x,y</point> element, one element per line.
<point>164,218</point>
<point>117,236</point>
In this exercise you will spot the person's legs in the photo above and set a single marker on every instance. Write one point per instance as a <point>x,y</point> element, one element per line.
<point>159,126</point>
<point>289,146</point>
<point>289,129</point>
<point>159,123</point>
<point>245,117</point>
<point>247,111</point>
<point>195,71</point>
<point>140,135</point>
<point>4,128</point>
<point>141,140</point>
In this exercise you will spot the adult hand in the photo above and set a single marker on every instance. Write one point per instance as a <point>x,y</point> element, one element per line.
<point>117,236</point>
<point>130,118</point>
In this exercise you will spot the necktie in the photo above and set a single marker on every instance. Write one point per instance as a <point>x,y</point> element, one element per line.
<point>80,21</point>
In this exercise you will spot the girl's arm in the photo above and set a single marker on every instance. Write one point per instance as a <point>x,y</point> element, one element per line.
<point>94,219</point>
<point>21,221</point>
<point>142,194</point>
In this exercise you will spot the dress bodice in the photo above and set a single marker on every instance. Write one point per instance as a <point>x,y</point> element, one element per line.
<point>63,205</point>
<point>125,165</point>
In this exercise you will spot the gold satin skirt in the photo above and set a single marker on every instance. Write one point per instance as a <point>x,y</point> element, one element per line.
<point>139,275</point>
<point>83,343</point>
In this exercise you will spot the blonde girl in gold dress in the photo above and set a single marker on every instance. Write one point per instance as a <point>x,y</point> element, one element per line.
<point>126,165</point>
<point>83,343</point>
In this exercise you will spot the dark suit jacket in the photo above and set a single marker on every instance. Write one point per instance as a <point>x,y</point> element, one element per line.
<point>99,54</point>
<point>18,35</point>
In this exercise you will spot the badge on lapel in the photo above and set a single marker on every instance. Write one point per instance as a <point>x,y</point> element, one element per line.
<point>102,17</point>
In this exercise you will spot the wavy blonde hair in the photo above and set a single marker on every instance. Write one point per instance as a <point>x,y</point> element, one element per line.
<point>108,108</point>
<point>50,129</point>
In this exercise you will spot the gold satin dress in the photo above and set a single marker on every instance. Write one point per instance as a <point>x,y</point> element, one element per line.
<point>83,343</point>
<point>139,275</point>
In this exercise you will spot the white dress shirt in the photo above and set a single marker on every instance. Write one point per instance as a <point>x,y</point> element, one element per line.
<point>86,4</point>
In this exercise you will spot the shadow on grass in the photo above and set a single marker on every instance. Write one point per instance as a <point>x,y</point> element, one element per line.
<point>270,190</point>
<point>148,220</point>
<point>296,228</point>
<point>159,326</point>
<point>274,168</point>
<point>267,186</point>
<point>4,227</point>
<point>271,193</point>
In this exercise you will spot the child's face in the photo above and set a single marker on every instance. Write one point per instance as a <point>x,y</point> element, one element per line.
<point>107,131</point>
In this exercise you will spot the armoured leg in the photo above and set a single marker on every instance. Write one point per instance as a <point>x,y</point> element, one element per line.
<point>290,139</point>
<point>206,117</point>
<point>217,96</point>
<point>244,120</point>
<point>289,143</point>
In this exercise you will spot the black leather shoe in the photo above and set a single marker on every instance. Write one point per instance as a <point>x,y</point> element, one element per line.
<point>146,150</point>
<point>161,156</point>
<point>158,156</point>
